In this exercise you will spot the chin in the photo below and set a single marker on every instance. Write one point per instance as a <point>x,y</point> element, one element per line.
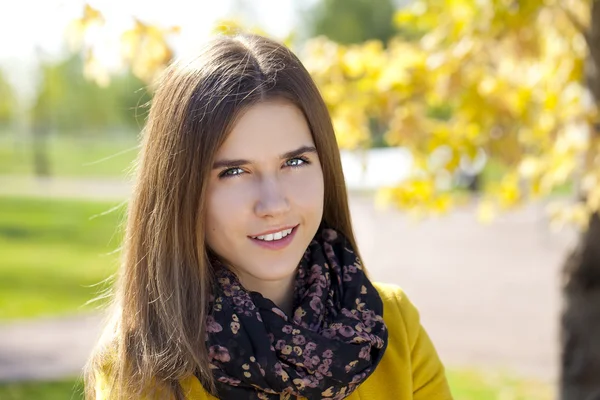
<point>278,272</point>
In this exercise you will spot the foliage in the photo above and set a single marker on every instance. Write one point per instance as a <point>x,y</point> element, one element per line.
<point>352,21</point>
<point>144,47</point>
<point>497,80</point>
<point>7,101</point>
<point>67,101</point>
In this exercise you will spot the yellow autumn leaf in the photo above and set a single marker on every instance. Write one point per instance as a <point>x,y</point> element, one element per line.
<point>475,76</point>
<point>509,192</point>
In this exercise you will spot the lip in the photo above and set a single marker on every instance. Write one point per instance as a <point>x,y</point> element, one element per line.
<point>276,244</point>
<point>276,230</point>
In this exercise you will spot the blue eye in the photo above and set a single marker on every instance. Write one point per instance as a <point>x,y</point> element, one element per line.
<point>296,162</point>
<point>231,172</point>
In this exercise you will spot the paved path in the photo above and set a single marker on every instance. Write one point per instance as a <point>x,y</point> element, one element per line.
<point>488,295</point>
<point>46,349</point>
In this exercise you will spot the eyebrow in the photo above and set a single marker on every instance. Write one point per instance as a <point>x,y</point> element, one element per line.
<point>290,154</point>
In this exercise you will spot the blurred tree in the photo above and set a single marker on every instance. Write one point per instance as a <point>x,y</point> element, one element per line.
<point>351,21</point>
<point>7,101</point>
<point>144,47</point>
<point>516,82</point>
<point>68,103</point>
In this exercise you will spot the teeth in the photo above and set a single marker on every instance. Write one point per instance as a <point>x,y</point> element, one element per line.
<point>274,236</point>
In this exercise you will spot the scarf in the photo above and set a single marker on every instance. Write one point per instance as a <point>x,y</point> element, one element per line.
<point>330,344</point>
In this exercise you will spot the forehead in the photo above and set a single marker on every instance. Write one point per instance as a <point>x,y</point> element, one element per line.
<point>266,128</point>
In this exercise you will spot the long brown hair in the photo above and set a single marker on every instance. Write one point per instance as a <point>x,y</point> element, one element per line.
<point>157,329</point>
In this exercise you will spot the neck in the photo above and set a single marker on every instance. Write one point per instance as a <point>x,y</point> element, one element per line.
<point>280,292</point>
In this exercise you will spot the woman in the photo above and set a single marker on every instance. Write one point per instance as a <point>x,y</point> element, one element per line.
<point>241,278</point>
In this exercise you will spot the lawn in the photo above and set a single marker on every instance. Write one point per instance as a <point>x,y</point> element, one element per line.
<point>478,385</point>
<point>91,156</point>
<point>58,390</point>
<point>53,253</point>
<point>111,155</point>
<point>466,385</point>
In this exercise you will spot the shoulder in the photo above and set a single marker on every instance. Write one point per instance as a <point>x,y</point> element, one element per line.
<point>389,292</point>
<point>106,384</point>
<point>410,352</point>
<point>403,321</point>
<point>101,374</point>
<point>398,311</point>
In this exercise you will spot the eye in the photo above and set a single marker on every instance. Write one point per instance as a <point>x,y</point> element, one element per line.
<point>231,172</point>
<point>296,162</point>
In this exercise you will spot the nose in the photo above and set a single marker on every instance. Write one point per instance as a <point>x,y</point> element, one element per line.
<point>272,199</point>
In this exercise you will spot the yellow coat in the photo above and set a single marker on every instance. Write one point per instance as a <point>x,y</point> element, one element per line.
<point>410,367</point>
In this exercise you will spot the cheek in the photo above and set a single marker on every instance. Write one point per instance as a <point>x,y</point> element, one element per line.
<point>225,208</point>
<point>307,190</point>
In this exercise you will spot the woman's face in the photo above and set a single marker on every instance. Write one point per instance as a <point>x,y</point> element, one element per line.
<point>265,194</point>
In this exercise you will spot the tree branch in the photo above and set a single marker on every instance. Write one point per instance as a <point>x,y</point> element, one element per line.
<point>577,23</point>
<point>593,61</point>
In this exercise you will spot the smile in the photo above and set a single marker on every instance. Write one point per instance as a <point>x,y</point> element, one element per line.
<point>275,240</point>
<point>274,236</point>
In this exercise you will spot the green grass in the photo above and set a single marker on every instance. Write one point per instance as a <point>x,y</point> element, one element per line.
<point>465,384</point>
<point>476,385</point>
<point>111,155</point>
<point>100,156</point>
<point>58,390</point>
<point>53,252</point>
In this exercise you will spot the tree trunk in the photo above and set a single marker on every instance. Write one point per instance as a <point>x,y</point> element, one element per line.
<point>580,322</point>
<point>41,161</point>
<point>580,339</point>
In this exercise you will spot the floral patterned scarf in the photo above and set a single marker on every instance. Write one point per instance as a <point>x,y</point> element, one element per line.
<point>325,350</point>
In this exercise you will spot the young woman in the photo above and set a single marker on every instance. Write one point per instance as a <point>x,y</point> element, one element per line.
<point>241,278</point>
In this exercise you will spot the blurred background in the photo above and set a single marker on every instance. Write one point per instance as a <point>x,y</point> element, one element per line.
<point>469,135</point>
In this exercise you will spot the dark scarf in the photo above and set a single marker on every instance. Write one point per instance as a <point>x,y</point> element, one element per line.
<point>331,344</point>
